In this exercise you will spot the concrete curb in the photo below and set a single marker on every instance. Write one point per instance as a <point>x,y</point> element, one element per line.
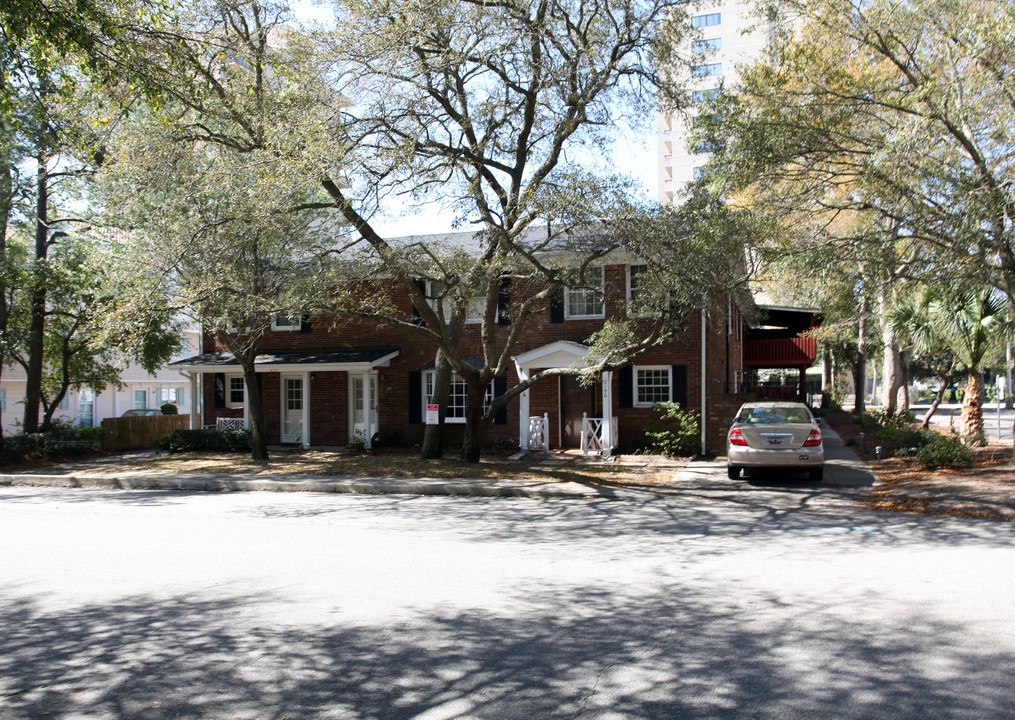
<point>365,486</point>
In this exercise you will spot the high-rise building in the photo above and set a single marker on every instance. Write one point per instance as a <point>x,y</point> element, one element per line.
<point>727,34</point>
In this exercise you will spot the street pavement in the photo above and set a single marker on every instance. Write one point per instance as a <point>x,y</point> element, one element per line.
<point>242,605</point>
<point>997,422</point>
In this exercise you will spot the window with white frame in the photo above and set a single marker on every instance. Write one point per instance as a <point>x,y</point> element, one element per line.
<point>457,396</point>
<point>652,384</point>
<point>708,45</point>
<point>637,275</point>
<point>706,70</point>
<point>284,323</point>
<point>171,395</point>
<point>140,399</point>
<point>586,302</point>
<point>473,311</point>
<point>234,391</point>
<point>65,402</point>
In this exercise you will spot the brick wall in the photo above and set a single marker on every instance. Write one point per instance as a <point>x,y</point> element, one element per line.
<point>329,390</point>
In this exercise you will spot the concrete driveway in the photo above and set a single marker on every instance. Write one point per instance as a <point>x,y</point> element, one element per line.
<point>847,479</point>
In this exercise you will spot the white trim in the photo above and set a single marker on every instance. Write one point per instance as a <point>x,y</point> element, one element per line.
<point>284,397</point>
<point>293,326</point>
<point>602,291</point>
<point>634,390</point>
<point>627,269</point>
<point>230,403</point>
<point>375,387</point>
<point>568,354</point>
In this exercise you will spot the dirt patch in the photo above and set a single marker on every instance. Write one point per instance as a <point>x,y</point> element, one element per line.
<point>630,471</point>
<point>985,490</point>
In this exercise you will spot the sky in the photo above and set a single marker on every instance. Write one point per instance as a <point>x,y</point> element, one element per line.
<point>634,154</point>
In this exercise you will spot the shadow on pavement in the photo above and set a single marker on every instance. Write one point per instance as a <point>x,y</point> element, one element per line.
<point>607,654</point>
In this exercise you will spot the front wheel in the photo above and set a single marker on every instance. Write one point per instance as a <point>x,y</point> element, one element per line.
<point>817,474</point>
<point>733,473</point>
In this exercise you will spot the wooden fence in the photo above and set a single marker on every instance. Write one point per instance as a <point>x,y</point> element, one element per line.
<point>136,433</point>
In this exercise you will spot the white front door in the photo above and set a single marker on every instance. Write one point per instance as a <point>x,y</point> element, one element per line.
<point>292,409</point>
<point>356,401</point>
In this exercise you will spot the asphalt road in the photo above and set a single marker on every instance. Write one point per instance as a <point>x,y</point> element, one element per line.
<point>262,605</point>
<point>996,425</point>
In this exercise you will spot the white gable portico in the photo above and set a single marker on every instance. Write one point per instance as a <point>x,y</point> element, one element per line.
<point>596,434</point>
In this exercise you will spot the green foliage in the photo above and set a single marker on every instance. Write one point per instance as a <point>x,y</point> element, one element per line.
<point>60,441</point>
<point>944,451</point>
<point>891,421</point>
<point>204,441</point>
<point>169,409</point>
<point>674,432</point>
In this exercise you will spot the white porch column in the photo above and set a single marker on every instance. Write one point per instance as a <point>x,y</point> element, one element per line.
<point>195,422</point>
<point>306,410</point>
<point>246,402</point>
<point>523,410</point>
<point>607,431</point>
<point>368,431</point>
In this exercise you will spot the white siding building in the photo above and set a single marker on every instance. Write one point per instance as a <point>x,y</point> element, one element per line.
<point>85,407</point>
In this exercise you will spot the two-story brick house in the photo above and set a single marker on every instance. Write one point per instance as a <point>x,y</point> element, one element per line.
<point>316,378</point>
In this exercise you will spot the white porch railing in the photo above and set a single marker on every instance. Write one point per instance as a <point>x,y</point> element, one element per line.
<point>230,424</point>
<point>539,433</point>
<point>592,436</point>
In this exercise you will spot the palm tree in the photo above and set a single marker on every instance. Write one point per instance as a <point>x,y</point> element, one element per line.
<point>962,322</point>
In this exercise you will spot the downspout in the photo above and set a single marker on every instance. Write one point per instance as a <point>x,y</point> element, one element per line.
<point>704,383</point>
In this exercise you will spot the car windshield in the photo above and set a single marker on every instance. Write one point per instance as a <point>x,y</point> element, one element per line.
<point>773,415</point>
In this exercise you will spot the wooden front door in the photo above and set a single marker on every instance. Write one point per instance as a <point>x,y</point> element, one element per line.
<point>575,401</point>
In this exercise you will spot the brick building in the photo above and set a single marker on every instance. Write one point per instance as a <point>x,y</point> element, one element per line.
<point>316,377</point>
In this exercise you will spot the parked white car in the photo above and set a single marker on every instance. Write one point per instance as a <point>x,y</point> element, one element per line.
<point>775,435</point>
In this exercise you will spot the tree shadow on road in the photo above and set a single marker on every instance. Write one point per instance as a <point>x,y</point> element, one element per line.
<point>598,653</point>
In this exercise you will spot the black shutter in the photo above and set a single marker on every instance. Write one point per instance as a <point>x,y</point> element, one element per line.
<point>416,317</point>
<point>625,394</point>
<point>557,306</point>
<point>679,389</point>
<point>415,396</point>
<point>504,302</point>
<point>499,388</point>
<point>260,386</point>
<point>220,390</point>
<point>305,325</point>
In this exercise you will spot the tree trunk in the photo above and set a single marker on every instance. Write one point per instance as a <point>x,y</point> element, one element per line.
<point>433,435</point>
<point>946,381</point>
<point>893,373</point>
<point>255,407</point>
<point>472,442</point>
<point>972,412</point>
<point>860,367</point>
<point>37,328</point>
<point>6,202</point>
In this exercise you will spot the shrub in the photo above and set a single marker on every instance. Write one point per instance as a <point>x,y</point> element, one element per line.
<point>895,420</point>
<point>673,432</point>
<point>169,409</point>
<point>943,451</point>
<point>204,440</point>
<point>61,440</point>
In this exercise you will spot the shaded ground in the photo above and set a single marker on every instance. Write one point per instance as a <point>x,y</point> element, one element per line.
<point>626,471</point>
<point>985,490</point>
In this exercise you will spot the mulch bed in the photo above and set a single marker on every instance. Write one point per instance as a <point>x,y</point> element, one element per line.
<point>985,490</point>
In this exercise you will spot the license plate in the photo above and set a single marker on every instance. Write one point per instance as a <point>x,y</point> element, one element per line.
<point>774,441</point>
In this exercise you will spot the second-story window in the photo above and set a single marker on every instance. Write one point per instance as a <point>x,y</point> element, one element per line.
<point>587,302</point>
<point>473,311</point>
<point>700,21</point>
<point>700,46</point>
<point>707,70</point>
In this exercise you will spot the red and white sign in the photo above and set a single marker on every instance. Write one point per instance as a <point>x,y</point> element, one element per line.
<point>432,414</point>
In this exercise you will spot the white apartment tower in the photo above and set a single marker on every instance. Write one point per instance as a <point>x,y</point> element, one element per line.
<point>727,34</point>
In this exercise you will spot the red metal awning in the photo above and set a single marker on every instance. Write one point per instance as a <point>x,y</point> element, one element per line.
<point>799,352</point>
